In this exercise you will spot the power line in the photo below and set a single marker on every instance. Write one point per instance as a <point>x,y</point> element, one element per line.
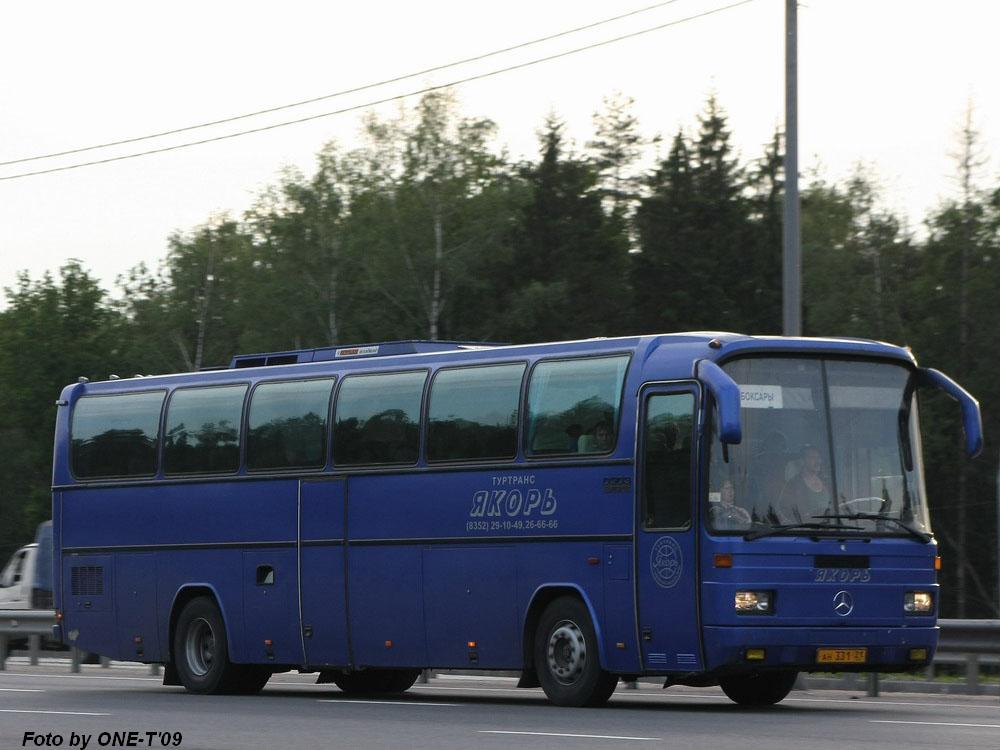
<point>387,99</point>
<point>345,92</point>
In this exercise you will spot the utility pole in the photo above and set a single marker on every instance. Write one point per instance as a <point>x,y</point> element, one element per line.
<point>791,234</point>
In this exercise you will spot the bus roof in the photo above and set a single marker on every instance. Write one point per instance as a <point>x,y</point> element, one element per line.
<point>678,348</point>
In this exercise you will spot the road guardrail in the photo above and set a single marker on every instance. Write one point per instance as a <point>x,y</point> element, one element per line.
<point>18,623</point>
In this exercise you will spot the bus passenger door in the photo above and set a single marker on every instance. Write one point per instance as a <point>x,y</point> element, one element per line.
<point>322,587</point>
<point>666,546</point>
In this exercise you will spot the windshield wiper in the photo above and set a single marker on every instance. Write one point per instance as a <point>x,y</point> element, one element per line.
<point>761,533</point>
<point>923,536</point>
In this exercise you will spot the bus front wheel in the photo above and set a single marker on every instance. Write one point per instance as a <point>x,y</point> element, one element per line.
<point>566,656</point>
<point>201,653</point>
<point>758,688</point>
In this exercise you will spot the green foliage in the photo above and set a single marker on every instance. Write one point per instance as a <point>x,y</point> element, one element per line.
<point>52,332</point>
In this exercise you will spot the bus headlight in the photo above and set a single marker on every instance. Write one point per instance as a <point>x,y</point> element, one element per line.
<point>754,602</point>
<point>918,603</point>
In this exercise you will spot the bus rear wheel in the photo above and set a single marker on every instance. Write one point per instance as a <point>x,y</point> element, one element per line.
<point>566,656</point>
<point>376,681</point>
<point>758,688</point>
<point>201,653</point>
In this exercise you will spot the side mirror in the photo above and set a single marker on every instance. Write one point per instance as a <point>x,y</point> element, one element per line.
<point>972,419</point>
<point>727,398</point>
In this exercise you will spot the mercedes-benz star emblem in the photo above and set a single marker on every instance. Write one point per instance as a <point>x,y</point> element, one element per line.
<point>843,603</point>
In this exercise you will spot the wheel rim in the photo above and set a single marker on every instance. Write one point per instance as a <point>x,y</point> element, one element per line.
<point>567,652</point>
<point>199,647</point>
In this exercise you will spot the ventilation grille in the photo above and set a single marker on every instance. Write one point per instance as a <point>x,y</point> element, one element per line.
<point>87,580</point>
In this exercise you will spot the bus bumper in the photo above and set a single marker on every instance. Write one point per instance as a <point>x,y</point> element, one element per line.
<point>726,648</point>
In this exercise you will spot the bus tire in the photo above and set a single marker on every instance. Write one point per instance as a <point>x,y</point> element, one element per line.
<point>201,650</point>
<point>758,688</point>
<point>566,656</point>
<point>376,681</point>
<point>250,679</point>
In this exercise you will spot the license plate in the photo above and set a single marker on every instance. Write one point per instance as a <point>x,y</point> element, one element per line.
<point>841,655</point>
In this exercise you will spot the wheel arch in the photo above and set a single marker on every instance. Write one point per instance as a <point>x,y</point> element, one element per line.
<point>540,599</point>
<point>187,593</point>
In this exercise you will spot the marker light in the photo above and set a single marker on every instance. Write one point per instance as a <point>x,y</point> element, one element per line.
<point>918,603</point>
<point>754,602</point>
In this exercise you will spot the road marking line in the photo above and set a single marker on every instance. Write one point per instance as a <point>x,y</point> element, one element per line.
<point>21,690</point>
<point>574,736</point>
<point>933,723</point>
<point>892,703</point>
<point>523,691</point>
<point>61,713</point>
<point>81,677</point>
<point>385,703</point>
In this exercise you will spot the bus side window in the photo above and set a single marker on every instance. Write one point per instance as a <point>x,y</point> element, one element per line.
<point>286,427</point>
<point>473,413</point>
<point>573,405</point>
<point>377,419</point>
<point>202,430</point>
<point>667,454</point>
<point>116,436</point>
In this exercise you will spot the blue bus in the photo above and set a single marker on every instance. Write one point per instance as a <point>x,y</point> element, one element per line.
<point>710,508</point>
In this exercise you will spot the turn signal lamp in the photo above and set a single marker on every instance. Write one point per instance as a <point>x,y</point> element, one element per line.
<point>755,654</point>
<point>754,602</point>
<point>723,560</point>
<point>472,644</point>
<point>918,654</point>
<point>937,562</point>
<point>918,603</point>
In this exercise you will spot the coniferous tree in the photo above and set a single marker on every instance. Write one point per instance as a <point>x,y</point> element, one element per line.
<point>570,260</point>
<point>617,147</point>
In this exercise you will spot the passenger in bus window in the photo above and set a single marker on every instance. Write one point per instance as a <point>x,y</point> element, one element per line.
<point>603,437</point>
<point>806,494</point>
<point>726,514</point>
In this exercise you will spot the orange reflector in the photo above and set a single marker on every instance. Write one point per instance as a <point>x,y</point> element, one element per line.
<point>918,654</point>
<point>723,560</point>
<point>472,644</point>
<point>755,654</point>
<point>268,643</point>
<point>388,644</point>
<point>937,562</point>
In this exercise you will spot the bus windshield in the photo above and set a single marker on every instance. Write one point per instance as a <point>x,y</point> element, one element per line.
<point>828,445</point>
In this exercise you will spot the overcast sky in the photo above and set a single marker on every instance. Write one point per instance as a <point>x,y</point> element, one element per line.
<point>882,82</point>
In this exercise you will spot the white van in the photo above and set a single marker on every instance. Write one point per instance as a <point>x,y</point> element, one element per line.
<point>26,580</point>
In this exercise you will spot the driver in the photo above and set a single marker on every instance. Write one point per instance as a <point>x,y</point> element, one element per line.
<point>807,494</point>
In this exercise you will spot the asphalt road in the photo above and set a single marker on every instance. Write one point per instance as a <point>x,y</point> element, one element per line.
<point>460,712</point>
